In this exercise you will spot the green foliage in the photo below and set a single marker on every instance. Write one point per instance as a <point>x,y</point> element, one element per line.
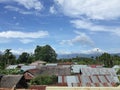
<point>7,58</point>
<point>10,71</point>
<point>44,80</point>
<point>116,60</point>
<point>118,72</point>
<point>106,59</point>
<point>119,78</point>
<point>45,53</point>
<point>25,58</point>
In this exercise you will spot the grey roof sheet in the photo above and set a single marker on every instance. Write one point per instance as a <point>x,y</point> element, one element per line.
<point>93,77</point>
<point>25,68</point>
<point>9,81</point>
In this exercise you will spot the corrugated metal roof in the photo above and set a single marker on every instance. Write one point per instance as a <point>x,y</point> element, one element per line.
<point>9,81</point>
<point>71,79</point>
<point>25,68</point>
<point>51,64</point>
<point>93,77</point>
<point>37,63</point>
<point>76,68</point>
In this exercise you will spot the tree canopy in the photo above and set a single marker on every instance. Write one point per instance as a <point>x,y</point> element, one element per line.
<point>45,53</point>
<point>7,58</point>
<point>25,58</point>
<point>106,59</point>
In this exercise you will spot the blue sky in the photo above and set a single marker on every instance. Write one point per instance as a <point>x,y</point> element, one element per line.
<point>69,26</point>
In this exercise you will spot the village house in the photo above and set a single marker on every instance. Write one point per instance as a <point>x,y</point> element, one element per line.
<point>46,70</point>
<point>90,77</point>
<point>38,63</point>
<point>13,81</point>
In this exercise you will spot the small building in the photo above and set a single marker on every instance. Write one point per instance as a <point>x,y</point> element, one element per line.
<point>38,63</point>
<point>47,70</point>
<point>96,66</point>
<point>27,67</point>
<point>13,81</point>
<point>91,77</point>
<point>76,68</point>
<point>51,64</point>
<point>30,74</point>
<point>65,64</point>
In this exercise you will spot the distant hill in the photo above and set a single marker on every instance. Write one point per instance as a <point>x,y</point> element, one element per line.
<point>77,54</point>
<point>82,55</point>
<point>0,52</point>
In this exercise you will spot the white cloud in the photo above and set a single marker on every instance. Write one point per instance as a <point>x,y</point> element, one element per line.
<point>12,8</point>
<point>81,38</point>
<point>21,50</point>
<point>85,24</point>
<point>84,12</point>
<point>26,41</point>
<point>90,51</point>
<point>52,10</point>
<point>30,4</point>
<point>16,9</point>
<point>19,34</point>
<point>93,9</point>
<point>64,52</point>
<point>93,51</point>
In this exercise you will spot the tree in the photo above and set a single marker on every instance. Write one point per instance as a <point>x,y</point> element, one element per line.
<point>37,52</point>
<point>116,59</point>
<point>2,62</point>
<point>24,58</point>
<point>107,59</point>
<point>8,57</point>
<point>118,72</point>
<point>45,53</point>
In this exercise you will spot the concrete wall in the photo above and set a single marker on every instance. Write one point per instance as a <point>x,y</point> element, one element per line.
<point>82,88</point>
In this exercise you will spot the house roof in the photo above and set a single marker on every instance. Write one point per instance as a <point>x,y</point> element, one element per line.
<point>96,66</point>
<point>25,68</point>
<point>38,62</point>
<point>50,70</point>
<point>51,64</point>
<point>9,81</point>
<point>91,77</point>
<point>83,80</point>
<point>76,68</point>
<point>33,72</point>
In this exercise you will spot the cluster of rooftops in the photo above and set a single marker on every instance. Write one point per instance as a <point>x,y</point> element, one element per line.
<point>71,75</point>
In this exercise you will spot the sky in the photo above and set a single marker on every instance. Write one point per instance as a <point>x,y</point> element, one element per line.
<point>68,26</point>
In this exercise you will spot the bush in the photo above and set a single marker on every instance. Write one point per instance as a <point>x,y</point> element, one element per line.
<point>44,80</point>
<point>10,71</point>
<point>118,72</point>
